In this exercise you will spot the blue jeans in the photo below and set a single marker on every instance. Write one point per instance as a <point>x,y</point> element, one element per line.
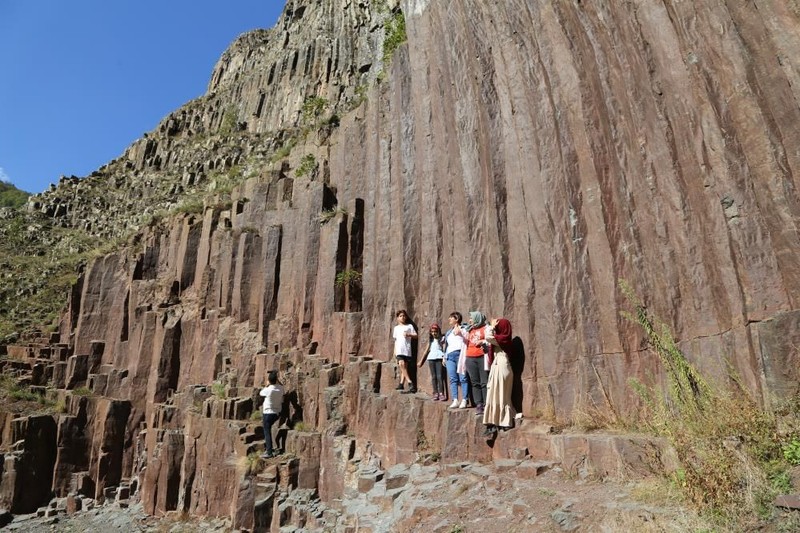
<point>455,378</point>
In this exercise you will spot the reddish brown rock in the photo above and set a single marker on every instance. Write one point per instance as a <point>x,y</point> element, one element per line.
<point>519,159</point>
<point>27,474</point>
<point>307,447</point>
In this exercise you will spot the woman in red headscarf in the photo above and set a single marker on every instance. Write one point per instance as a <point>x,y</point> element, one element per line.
<point>499,413</point>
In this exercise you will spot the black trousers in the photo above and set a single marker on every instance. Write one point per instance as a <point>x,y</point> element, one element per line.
<point>437,375</point>
<point>269,419</point>
<point>478,377</point>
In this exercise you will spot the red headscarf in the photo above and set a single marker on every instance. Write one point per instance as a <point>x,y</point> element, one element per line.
<point>502,334</point>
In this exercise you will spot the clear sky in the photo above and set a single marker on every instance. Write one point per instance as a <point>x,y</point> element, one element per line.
<point>80,80</point>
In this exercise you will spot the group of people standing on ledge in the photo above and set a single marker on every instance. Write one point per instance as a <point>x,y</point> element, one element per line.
<point>476,356</point>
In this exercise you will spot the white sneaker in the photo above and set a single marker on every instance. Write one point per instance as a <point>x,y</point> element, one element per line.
<point>463,404</point>
<point>454,404</point>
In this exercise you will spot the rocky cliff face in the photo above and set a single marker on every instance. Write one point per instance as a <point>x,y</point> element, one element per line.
<point>518,158</point>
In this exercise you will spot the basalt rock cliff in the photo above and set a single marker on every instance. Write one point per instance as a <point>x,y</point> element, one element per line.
<point>516,157</point>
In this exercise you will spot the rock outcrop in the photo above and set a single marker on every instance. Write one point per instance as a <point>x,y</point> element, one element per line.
<point>519,158</point>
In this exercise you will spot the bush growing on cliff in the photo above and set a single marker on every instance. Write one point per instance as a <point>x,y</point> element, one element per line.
<point>191,206</point>
<point>218,389</point>
<point>348,278</point>
<point>254,464</point>
<point>308,164</point>
<point>729,448</point>
<point>229,122</point>
<point>395,35</point>
<point>284,151</point>
<point>312,109</point>
<point>302,426</point>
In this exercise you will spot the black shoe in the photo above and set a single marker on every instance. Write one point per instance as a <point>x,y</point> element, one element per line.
<point>412,390</point>
<point>490,431</point>
<point>399,387</point>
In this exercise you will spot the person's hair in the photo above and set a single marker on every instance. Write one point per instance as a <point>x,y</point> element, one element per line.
<point>457,316</point>
<point>272,377</point>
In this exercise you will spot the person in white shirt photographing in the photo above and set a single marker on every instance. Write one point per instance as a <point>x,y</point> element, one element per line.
<point>271,410</point>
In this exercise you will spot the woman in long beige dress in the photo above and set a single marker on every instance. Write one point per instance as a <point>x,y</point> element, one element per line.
<point>499,413</point>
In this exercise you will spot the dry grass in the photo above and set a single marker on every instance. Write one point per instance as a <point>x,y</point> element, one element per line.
<point>251,464</point>
<point>587,416</point>
<point>729,448</point>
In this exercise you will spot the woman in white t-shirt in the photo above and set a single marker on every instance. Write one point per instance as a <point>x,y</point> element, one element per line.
<point>454,343</point>
<point>402,334</point>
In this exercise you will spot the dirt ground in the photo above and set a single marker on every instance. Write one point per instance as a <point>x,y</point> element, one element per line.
<point>504,497</point>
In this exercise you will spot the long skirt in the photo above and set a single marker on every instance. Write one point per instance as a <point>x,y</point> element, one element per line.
<point>499,411</point>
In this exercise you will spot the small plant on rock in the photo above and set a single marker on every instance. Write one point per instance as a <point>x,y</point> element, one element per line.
<point>395,35</point>
<point>218,389</point>
<point>791,451</point>
<point>329,214</point>
<point>191,206</point>
<point>302,426</point>
<point>313,107</point>
<point>60,407</point>
<point>284,151</point>
<point>360,96</point>
<point>229,122</point>
<point>308,164</point>
<point>26,395</point>
<point>348,278</point>
<point>254,464</point>
<point>422,440</point>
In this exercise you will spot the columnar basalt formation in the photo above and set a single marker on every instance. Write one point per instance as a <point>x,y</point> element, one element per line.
<point>519,158</point>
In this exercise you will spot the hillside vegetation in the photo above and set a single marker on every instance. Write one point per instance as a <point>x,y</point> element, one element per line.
<point>38,264</point>
<point>10,196</point>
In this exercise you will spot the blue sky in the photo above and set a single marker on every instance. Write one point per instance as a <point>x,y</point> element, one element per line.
<point>80,80</point>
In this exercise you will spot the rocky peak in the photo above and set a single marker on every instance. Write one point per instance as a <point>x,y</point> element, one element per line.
<point>268,88</point>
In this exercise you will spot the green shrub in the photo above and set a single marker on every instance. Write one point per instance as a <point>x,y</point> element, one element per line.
<point>82,391</point>
<point>313,107</point>
<point>218,389</point>
<point>284,151</point>
<point>229,123</point>
<point>348,278</point>
<point>308,164</point>
<point>191,206</point>
<point>24,394</point>
<point>791,451</point>
<point>395,35</point>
